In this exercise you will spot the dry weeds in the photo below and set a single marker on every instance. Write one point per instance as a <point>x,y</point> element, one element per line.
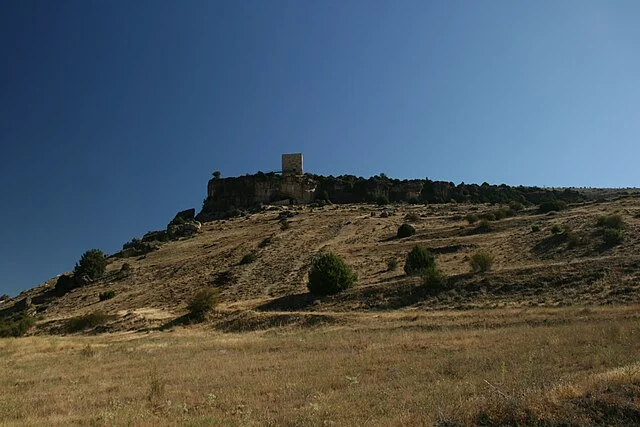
<point>393,368</point>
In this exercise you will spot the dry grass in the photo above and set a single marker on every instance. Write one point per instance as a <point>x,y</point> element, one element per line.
<point>393,368</point>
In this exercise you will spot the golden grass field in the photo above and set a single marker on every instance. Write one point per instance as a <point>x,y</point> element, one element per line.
<point>549,336</point>
<point>566,365</point>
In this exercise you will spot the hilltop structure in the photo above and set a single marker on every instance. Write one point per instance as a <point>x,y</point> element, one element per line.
<point>291,185</point>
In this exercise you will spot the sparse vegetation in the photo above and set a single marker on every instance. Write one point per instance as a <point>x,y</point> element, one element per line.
<point>106,295</point>
<point>248,258</point>
<point>92,264</point>
<point>557,229</point>
<point>392,264</point>
<point>419,260</point>
<point>87,321</point>
<point>516,206</point>
<point>4,297</point>
<point>614,221</point>
<point>552,206</point>
<point>405,230</point>
<point>481,261</point>
<point>15,327</point>
<point>203,303</point>
<point>433,279</point>
<point>484,226</point>
<point>412,217</point>
<point>382,200</point>
<point>612,228</point>
<point>329,275</point>
<point>535,228</point>
<point>471,218</point>
<point>612,236</point>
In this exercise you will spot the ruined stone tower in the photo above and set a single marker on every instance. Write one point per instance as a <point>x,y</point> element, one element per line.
<point>292,164</point>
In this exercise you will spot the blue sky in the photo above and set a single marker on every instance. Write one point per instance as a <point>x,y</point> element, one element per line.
<point>113,114</point>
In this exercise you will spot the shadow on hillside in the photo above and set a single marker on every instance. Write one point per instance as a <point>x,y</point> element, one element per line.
<point>295,302</point>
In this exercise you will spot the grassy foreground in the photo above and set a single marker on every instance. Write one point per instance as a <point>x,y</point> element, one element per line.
<point>579,366</point>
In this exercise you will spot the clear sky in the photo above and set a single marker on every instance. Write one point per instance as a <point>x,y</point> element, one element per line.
<point>114,114</point>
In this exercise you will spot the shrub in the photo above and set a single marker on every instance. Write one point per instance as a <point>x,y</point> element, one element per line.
<point>471,218</point>
<point>484,226</point>
<point>15,327</point>
<point>91,264</point>
<point>614,221</point>
<point>87,321</point>
<point>557,229</point>
<point>405,230</point>
<point>612,236</point>
<point>266,242</point>
<point>330,275</point>
<point>125,267</point>
<point>481,261</point>
<point>432,278</point>
<point>202,303</point>
<point>4,297</point>
<point>535,228</point>
<point>248,258</point>
<point>382,200</point>
<point>392,264</point>
<point>107,295</point>
<point>516,206</point>
<point>552,206</point>
<point>412,217</point>
<point>419,260</point>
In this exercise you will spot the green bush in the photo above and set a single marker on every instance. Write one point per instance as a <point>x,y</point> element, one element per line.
<point>481,261</point>
<point>106,295</point>
<point>432,278</point>
<point>4,297</point>
<point>248,258</point>
<point>91,264</point>
<point>330,275</point>
<point>552,206</point>
<point>484,226</point>
<point>612,236</point>
<point>471,218</point>
<point>516,206</point>
<point>87,321</point>
<point>614,221</point>
<point>202,303</point>
<point>392,264</point>
<point>419,260</point>
<point>405,230</point>
<point>382,200</point>
<point>15,327</point>
<point>535,228</point>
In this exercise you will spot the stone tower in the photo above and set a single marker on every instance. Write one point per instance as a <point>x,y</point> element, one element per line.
<point>292,164</point>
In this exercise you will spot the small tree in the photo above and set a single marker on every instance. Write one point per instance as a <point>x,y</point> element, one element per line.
<point>330,275</point>
<point>419,260</point>
<point>202,303</point>
<point>405,230</point>
<point>91,264</point>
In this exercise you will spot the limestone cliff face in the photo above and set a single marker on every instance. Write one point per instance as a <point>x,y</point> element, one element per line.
<point>227,194</point>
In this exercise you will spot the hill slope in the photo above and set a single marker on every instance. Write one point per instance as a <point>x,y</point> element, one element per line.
<point>531,268</point>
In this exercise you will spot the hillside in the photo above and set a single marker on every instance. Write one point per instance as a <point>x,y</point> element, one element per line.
<point>531,268</point>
